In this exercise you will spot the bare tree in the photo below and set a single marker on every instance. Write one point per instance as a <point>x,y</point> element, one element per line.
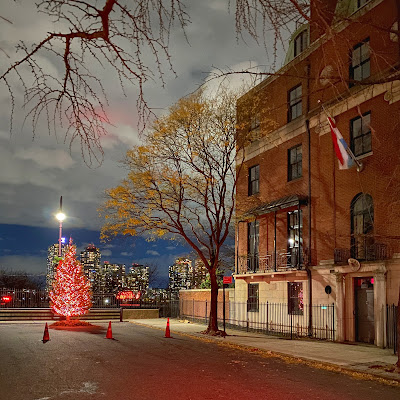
<point>181,182</point>
<point>109,33</point>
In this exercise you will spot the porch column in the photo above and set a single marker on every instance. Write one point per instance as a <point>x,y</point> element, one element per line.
<point>380,307</point>
<point>340,307</point>
<point>300,238</point>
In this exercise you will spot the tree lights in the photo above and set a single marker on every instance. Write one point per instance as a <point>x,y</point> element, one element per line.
<point>71,294</point>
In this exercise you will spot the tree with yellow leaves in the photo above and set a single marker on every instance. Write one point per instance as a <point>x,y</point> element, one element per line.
<point>181,182</point>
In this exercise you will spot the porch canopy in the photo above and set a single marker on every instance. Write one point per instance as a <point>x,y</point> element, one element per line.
<point>283,203</point>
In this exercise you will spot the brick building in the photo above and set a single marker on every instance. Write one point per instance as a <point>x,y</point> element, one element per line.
<point>307,232</point>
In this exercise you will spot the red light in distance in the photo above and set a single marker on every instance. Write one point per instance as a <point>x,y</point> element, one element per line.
<point>128,295</point>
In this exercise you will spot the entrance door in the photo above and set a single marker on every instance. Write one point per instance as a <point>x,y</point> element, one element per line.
<point>364,313</point>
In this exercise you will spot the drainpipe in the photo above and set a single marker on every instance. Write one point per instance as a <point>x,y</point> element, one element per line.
<point>309,231</point>
<point>237,248</point>
<point>275,265</point>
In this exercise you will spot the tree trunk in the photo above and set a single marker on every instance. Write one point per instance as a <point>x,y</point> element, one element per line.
<point>398,332</point>
<point>213,322</point>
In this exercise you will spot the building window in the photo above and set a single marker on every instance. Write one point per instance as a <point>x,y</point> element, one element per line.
<point>295,158</point>
<point>253,239</point>
<point>300,42</point>
<point>362,226</point>
<point>254,122</point>
<point>295,237</point>
<point>252,298</point>
<point>254,180</point>
<point>360,62</point>
<point>360,131</point>
<point>295,298</point>
<point>254,131</point>
<point>294,100</point>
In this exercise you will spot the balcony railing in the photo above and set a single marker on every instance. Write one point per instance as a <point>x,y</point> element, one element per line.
<point>264,263</point>
<point>363,248</point>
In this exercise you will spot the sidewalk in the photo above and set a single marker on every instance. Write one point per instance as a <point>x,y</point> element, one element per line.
<point>366,361</point>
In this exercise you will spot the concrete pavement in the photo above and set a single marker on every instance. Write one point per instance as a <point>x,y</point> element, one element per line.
<point>366,361</point>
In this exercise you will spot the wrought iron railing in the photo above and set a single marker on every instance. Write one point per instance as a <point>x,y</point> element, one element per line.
<point>267,262</point>
<point>363,248</point>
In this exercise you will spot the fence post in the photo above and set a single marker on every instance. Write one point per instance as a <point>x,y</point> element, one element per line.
<point>333,322</point>
<point>267,318</point>
<point>247,315</point>
<point>206,311</point>
<point>291,325</point>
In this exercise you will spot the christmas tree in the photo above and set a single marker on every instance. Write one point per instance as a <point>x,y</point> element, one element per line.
<point>71,294</point>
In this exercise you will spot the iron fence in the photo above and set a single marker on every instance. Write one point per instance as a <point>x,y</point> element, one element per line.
<point>391,327</point>
<point>24,298</point>
<point>268,318</point>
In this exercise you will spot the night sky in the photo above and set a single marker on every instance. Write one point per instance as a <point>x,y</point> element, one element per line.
<point>35,172</point>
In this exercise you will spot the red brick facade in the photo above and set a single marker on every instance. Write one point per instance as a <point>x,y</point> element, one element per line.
<point>332,190</point>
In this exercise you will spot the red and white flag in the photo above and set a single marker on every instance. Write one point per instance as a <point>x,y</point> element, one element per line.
<point>341,148</point>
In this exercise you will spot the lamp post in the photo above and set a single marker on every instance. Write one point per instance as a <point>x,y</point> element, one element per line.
<point>60,216</point>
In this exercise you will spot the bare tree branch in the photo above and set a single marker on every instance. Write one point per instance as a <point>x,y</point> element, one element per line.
<point>116,35</point>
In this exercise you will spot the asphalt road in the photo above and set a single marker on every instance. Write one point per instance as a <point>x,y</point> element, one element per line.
<point>142,364</point>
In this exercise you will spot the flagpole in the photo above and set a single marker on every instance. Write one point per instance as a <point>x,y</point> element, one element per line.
<point>358,163</point>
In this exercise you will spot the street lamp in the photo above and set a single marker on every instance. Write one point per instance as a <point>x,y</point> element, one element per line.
<point>60,216</point>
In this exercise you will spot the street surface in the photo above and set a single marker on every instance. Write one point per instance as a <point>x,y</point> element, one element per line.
<point>142,364</point>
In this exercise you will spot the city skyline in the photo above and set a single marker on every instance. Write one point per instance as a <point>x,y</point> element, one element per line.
<point>36,241</point>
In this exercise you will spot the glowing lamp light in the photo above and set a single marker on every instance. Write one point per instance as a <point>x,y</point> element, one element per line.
<point>291,242</point>
<point>63,240</point>
<point>60,216</point>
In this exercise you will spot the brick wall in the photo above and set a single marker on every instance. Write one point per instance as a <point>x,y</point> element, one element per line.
<point>332,189</point>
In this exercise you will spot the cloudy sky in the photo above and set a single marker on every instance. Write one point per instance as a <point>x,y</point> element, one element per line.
<point>36,172</point>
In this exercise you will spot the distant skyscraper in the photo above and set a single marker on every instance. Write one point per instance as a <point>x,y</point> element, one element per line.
<point>138,278</point>
<point>112,278</point>
<point>52,254</point>
<point>90,260</point>
<point>198,274</point>
<point>179,275</point>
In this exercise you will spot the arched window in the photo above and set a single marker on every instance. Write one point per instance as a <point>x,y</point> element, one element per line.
<point>362,225</point>
<point>300,42</point>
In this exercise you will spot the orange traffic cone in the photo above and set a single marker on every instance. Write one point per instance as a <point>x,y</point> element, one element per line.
<point>167,331</point>
<point>109,332</point>
<point>46,336</point>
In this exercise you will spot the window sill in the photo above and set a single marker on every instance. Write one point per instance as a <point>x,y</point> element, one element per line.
<point>294,119</point>
<point>295,179</point>
<point>365,155</point>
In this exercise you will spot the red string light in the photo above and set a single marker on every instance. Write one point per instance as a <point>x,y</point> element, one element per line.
<point>71,294</point>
